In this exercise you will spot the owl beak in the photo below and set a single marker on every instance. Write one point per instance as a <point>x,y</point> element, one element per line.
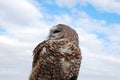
<point>51,35</point>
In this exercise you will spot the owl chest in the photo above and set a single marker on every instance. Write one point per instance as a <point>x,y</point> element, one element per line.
<point>54,65</point>
<point>51,70</point>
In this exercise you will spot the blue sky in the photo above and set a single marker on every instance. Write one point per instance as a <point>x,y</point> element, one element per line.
<point>25,23</point>
<point>88,8</point>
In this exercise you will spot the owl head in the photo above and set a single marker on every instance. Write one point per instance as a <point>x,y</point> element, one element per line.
<point>62,31</point>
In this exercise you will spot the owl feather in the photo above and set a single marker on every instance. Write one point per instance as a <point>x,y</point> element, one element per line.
<point>57,58</point>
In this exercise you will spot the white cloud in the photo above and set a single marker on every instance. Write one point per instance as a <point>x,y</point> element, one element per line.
<point>97,67</point>
<point>68,3</point>
<point>106,5</point>
<point>24,29</point>
<point>111,6</point>
<point>64,19</point>
<point>18,12</point>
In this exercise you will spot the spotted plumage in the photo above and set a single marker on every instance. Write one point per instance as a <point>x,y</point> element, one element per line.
<point>59,57</point>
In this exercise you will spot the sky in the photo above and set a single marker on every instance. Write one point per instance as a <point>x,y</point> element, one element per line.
<point>25,23</point>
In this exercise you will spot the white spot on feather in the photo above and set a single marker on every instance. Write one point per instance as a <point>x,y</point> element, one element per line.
<point>65,64</point>
<point>43,51</point>
<point>65,49</point>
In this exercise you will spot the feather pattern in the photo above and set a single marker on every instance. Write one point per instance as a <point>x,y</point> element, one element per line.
<point>56,59</point>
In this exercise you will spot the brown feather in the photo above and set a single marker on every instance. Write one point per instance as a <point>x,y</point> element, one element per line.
<point>57,59</point>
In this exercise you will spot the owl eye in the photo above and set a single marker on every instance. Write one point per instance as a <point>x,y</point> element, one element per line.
<point>57,31</point>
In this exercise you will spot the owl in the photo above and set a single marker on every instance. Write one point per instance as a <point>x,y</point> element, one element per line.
<point>58,57</point>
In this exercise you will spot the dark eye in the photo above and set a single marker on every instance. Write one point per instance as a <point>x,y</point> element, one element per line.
<point>57,31</point>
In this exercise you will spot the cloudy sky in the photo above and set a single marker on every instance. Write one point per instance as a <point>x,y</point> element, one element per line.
<point>25,23</point>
